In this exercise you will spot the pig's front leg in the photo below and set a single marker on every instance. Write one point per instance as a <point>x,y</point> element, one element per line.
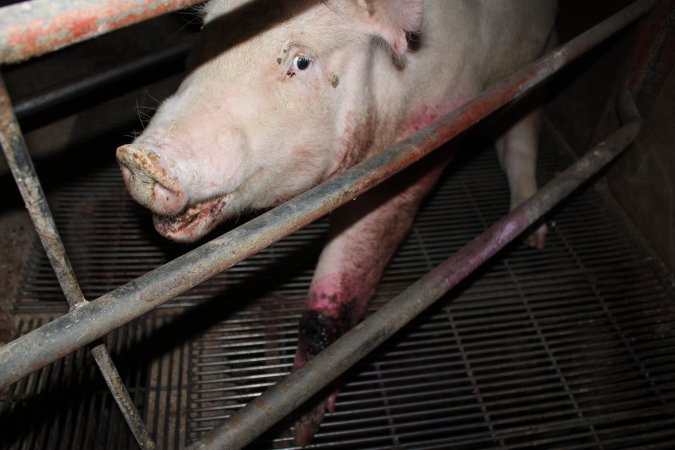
<point>364,235</point>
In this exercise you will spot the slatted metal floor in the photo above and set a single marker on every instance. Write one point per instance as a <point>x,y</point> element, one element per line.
<point>572,347</point>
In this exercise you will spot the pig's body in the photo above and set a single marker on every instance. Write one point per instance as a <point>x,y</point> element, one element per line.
<point>330,84</point>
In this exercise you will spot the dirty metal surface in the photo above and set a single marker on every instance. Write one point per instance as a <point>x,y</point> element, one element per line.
<point>571,347</point>
<point>31,28</point>
<point>77,328</point>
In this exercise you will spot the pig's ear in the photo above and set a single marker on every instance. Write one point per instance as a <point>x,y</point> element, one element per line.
<point>391,19</point>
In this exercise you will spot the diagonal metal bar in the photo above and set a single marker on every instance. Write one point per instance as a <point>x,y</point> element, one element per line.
<point>34,27</point>
<point>93,320</point>
<point>21,165</point>
<point>277,402</point>
<point>124,401</point>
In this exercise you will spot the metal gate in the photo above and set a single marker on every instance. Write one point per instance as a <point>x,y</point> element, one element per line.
<point>87,322</point>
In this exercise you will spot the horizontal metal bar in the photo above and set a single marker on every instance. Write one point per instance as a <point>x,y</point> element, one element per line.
<point>129,70</point>
<point>77,328</point>
<point>266,410</point>
<point>34,27</point>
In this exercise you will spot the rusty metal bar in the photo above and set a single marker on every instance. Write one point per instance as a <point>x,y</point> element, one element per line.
<point>122,398</point>
<point>93,320</point>
<point>261,413</point>
<point>21,165</point>
<point>34,27</point>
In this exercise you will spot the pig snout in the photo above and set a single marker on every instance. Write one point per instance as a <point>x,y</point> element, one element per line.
<point>188,192</point>
<point>149,181</point>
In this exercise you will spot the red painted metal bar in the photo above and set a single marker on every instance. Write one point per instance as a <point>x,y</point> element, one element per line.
<point>277,402</point>
<point>93,320</point>
<point>21,165</point>
<point>34,27</point>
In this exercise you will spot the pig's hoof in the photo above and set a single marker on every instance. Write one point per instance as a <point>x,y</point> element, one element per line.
<point>537,239</point>
<point>307,426</point>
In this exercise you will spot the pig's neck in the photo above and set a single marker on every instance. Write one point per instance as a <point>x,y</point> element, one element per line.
<point>393,105</point>
<point>424,115</point>
<point>364,128</point>
<point>356,140</point>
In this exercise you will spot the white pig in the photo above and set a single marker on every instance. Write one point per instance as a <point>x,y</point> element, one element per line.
<point>283,95</point>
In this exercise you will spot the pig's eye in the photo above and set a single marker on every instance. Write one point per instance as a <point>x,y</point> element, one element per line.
<point>301,62</point>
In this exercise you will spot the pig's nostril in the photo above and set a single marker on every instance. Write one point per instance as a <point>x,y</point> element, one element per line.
<point>126,173</point>
<point>148,181</point>
<point>171,202</point>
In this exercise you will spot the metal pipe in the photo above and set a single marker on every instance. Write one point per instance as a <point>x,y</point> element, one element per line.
<point>21,165</point>
<point>261,413</point>
<point>93,320</point>
<point>127,71</point>
<point>122,398</point>
<point>653,56</point>
<point>34,27</point>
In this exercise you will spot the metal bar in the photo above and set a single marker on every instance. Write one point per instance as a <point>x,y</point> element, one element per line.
<point>93,320</point>
<point>650,62</point>
<point>127,71</point>
<point>122,398</point>
<point>653,56</point>
<point>21,165</point>
<point>266,410</point>
<point>35,27</point>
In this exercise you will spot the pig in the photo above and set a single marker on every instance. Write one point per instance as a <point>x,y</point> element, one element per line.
<point>282,95</point>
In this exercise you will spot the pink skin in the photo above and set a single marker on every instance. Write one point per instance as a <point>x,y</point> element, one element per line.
<point>363,239</point>
<point>424,115</point>
<point>517,151</point>
<point>203,157</point>
<point>334,290</point>
<point>360,244</point>
<point>326,86</point>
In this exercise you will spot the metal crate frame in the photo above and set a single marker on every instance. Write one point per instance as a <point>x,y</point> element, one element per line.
<point>32,28</point>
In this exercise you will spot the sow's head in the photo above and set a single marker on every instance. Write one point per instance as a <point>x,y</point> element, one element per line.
<point>279,97</point>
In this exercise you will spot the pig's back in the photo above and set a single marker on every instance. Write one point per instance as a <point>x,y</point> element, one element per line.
<point>474,43</point>
<point>516,32</point>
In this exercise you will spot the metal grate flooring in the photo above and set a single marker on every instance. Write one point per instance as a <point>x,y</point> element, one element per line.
<point>572,347</point>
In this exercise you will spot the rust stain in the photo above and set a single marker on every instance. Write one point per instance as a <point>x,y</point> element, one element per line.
<point>38,35</point>
<point>33,37</point>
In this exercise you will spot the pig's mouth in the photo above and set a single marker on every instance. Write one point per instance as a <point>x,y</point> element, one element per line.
<point>194,222</point>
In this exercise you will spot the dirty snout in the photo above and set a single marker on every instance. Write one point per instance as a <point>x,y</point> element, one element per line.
<point>154,182</point>
<point>149,181</point>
